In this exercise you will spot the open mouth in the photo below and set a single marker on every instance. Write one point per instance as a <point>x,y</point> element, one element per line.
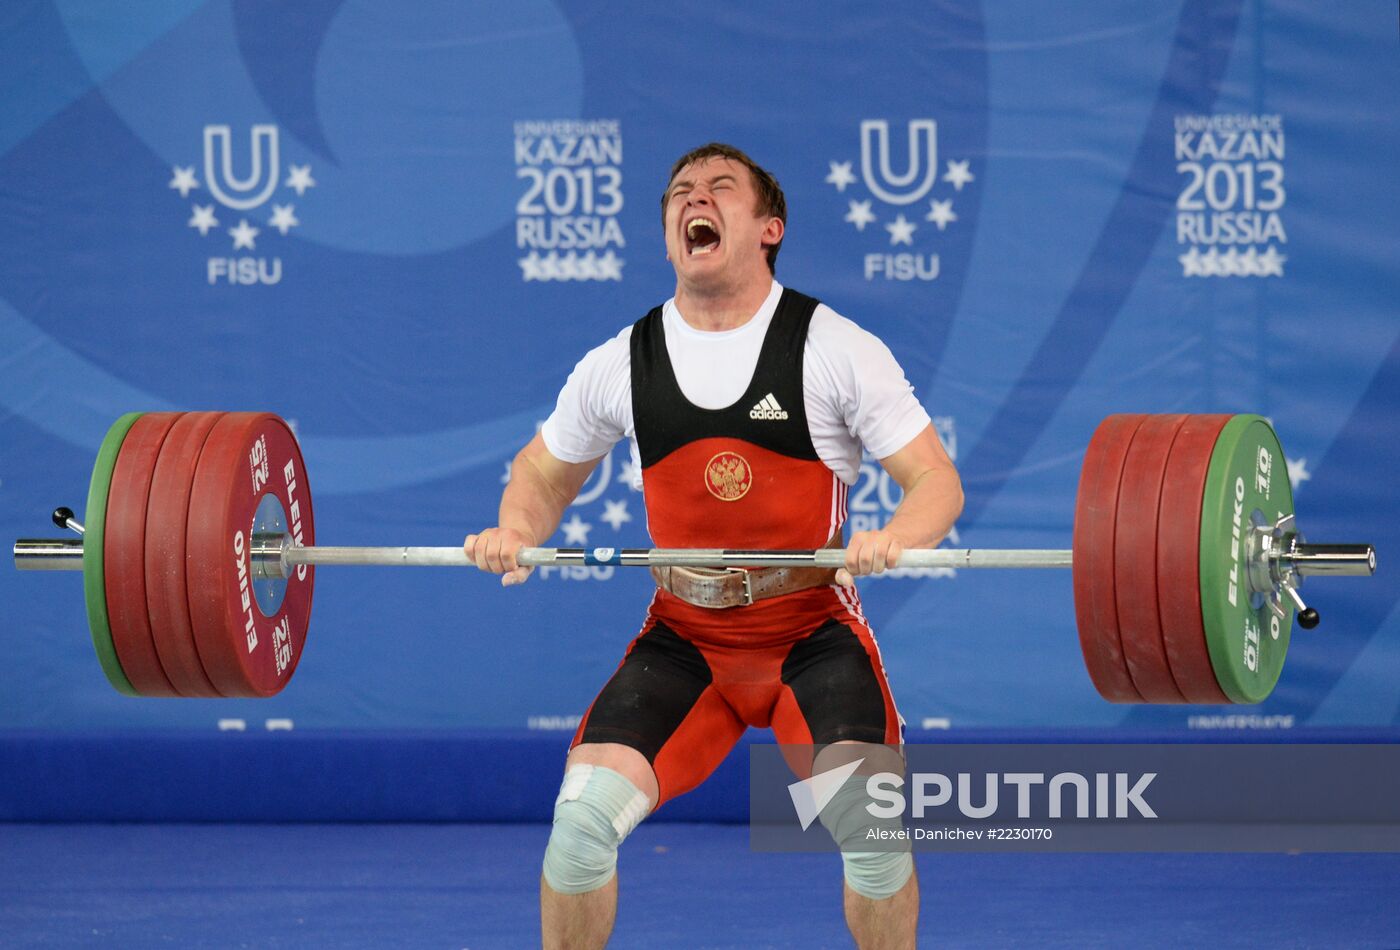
<point>701,236</point>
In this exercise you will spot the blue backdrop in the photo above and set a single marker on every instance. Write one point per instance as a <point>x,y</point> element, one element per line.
<point>400,225</point>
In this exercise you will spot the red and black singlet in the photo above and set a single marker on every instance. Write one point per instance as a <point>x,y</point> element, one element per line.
<point>747,475</point>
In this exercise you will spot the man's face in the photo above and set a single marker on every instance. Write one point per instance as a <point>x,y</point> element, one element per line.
<point>713,229</point>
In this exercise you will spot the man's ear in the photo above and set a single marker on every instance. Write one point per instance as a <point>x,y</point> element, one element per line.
<point>772,232</point>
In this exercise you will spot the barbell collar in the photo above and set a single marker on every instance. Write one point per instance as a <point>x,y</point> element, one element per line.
<point>48,554</point>
<point>1311,560</point>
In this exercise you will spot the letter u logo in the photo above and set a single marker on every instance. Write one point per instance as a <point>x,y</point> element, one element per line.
<point>232,191</point>
<point>923,159</point>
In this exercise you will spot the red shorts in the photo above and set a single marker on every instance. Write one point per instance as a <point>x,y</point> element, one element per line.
<point>805,664</point>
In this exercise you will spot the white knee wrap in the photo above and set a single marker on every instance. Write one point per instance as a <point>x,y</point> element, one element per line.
<point>596,809</point>
<point>873,874</point>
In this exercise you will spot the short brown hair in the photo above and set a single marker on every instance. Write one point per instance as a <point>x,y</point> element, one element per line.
<point>771,202</point>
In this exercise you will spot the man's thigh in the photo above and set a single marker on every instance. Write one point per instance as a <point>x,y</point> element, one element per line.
<point>835,690</point>
<point>660,708</point>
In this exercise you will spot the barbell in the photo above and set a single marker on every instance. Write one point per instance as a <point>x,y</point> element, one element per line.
<point>198,556</point>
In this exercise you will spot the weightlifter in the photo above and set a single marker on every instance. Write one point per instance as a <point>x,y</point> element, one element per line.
<point>747,405</point>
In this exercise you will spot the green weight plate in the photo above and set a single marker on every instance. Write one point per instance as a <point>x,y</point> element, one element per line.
<point>94,585</point>
<point>1247,482</point>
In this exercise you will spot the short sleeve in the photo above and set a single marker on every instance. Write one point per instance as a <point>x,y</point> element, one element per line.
<point>865,384</point>
<point>594,408</point>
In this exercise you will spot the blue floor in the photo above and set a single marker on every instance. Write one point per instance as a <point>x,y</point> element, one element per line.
<point>687,886</point>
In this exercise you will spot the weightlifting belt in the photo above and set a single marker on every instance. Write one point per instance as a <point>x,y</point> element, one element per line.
<point>739,587</point>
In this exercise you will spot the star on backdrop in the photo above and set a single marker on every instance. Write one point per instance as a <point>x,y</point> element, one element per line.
<point>203,218</point>
<point>958,174</point>
<point>244,234</point>
<point>615,513</point>
<point>628,474</point>
<point>901,230</point>
<point>576,530</point>
<point>183,180</point>
<point>1298,472</point>
<point>299,178</point>
<point>283,218</point>
<point>940,213</point>
<point>860,214</point>
<point>841,175</point>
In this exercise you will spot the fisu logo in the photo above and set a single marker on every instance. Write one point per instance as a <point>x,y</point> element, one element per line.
<point>893,186</point>
<point>223,160</point>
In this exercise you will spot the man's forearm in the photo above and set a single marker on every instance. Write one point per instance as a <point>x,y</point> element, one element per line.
<point>928,510</point>
<point>530,504</point>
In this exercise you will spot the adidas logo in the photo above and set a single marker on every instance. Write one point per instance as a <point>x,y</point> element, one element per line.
<point>768,408</point>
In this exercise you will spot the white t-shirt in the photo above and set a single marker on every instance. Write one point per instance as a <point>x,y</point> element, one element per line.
<point>853,389</point>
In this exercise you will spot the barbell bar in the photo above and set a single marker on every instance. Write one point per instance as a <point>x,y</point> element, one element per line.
<point>1171,607</point>
<point>277,556</point>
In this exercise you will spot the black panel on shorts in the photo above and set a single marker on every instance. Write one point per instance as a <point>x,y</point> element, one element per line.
<point>665,420</point>
<point>651,693</point>
<point>833,680</point>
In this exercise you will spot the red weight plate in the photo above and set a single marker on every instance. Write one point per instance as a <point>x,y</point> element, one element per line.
<point>124,554</point>
<point>167,513</point>
<point>1135,559</point>
<point>247,651</point>
<point>1095,514</point>
<point>1179,559</point>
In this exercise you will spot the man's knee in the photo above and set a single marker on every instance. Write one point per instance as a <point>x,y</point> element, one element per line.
<point>877,874</point>
<point>874,874</point>
<point>596,809</point>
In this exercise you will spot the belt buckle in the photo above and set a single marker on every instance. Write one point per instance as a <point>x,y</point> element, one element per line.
<point>712,597</point>
<point>748,587</point>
